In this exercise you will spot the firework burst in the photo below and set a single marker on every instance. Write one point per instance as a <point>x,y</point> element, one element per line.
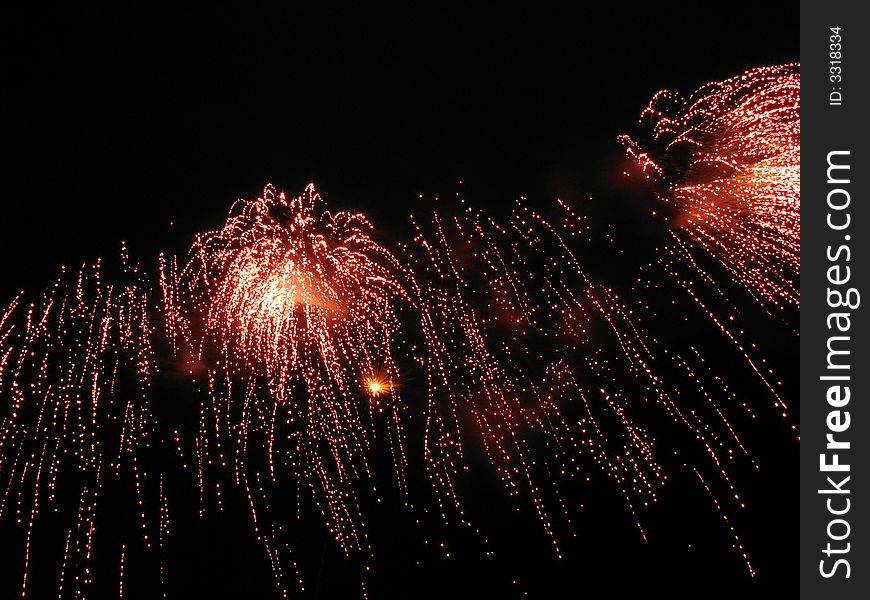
<point>727,157</point>
<point>298,311</point>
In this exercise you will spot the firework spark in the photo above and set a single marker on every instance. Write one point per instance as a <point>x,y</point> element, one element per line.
<point>292,307</point>
<point>306,341</point>
<point>556,372</point>
<point>728,158</point>
<point>76,370</point>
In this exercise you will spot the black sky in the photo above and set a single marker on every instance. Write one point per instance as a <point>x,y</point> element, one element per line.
<point>116,124</point>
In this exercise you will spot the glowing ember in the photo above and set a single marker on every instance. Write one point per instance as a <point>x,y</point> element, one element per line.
<point>376,388</point>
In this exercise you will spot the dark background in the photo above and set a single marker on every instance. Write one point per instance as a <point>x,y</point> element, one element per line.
<point>145,126</point>
<point>116,124</point>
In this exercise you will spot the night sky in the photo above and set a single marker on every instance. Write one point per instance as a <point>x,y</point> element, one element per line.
<point>116,125</point>
<point>145,126</point>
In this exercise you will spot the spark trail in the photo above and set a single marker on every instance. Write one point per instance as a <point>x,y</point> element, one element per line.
<point>78,431</point>
<point>297,313</point>
<point>727,157</point>
<point>325,366</point>
<point>559,376</point>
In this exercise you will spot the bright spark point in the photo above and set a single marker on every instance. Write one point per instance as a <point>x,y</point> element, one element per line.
<point>376,387</point>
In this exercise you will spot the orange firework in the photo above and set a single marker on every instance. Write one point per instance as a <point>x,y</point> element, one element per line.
<point>281,280</point>
<point>295,306</point>
<point>728,158</point>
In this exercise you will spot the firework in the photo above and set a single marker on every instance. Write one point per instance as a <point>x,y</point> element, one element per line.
<point>297,314</point>
<point>78,430</point>
<point>313,352</point>
<point>556,372</point>
<point>727,157</point>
